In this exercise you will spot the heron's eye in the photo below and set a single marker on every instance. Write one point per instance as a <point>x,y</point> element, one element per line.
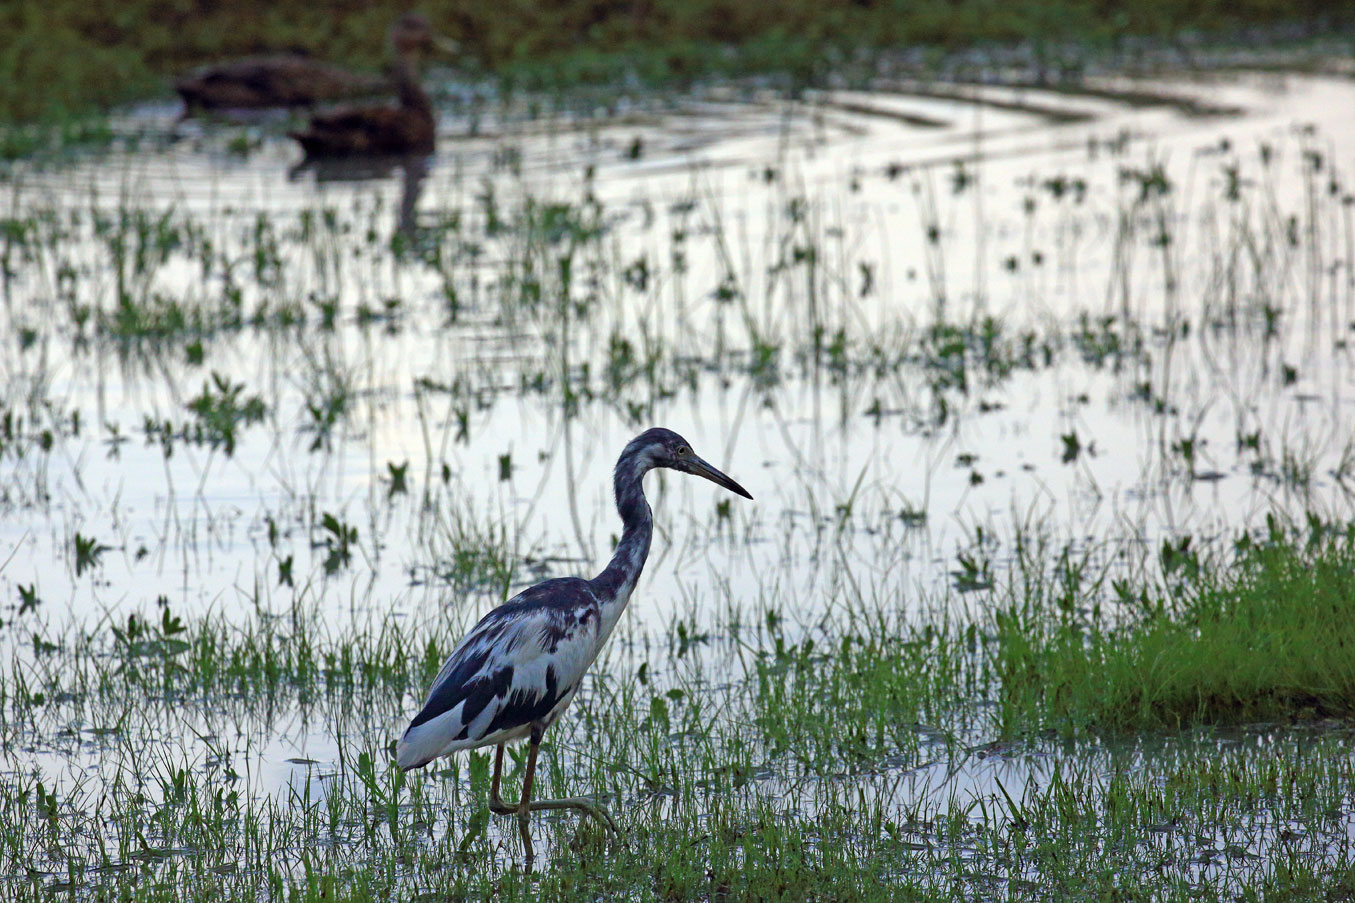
<point>683,451</point>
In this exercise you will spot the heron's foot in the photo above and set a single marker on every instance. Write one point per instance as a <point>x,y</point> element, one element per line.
<point>583,804</point>
<point>499,806</point>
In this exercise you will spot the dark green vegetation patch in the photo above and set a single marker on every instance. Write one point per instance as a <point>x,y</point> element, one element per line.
<point>66,57</point>
<point>1269,638</point>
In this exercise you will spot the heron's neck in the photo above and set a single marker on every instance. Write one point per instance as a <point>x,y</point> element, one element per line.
<point>614,585</point>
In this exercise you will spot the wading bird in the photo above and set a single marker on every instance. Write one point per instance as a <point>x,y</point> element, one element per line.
<point>518,669</point>
<point>295,79</point>
<point>407,127</point>
<point>278,80</point>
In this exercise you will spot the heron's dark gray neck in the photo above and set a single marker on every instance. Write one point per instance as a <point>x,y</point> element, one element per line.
<point>614,585</point>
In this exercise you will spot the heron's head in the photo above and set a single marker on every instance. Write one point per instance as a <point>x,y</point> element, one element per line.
<point>659,447</point>
<point>413,34</point>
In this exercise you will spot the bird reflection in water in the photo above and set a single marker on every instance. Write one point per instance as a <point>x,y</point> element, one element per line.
<point>412,169</point>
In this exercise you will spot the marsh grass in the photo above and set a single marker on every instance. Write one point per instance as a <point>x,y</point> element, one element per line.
<point>1267,637</point>
<point>812,776</point>
<point>823,727</point>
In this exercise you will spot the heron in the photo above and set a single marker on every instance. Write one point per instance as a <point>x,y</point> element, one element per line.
<point>517,670</point>
<point>408,127</point>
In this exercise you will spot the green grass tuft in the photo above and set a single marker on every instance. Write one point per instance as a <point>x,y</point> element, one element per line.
<point>1270,638</point>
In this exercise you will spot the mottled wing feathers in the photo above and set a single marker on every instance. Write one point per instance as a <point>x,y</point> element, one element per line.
<point>515,668</point>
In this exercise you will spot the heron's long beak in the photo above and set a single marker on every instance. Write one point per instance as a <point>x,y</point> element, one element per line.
<point>702,469</point>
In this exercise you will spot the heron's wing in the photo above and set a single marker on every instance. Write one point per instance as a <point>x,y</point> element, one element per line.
<point>510,671</point>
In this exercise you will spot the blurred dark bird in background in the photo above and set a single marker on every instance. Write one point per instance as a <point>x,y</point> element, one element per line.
<point>404,128</point>
<point>295,79</point>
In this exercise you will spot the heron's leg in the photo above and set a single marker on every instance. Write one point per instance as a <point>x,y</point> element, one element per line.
<point>525,804</point>
<point>573,802</point>
<point>499,806</point>
<point>496,803</point>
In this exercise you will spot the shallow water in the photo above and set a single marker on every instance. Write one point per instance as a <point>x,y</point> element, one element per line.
<point>803,436</point>
<point>915,323</point>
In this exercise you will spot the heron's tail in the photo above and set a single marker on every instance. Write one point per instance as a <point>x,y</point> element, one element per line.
<point>416,748</point>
